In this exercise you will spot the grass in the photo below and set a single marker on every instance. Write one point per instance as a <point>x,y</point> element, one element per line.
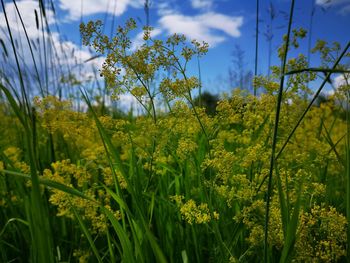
<point>274,140</point>
<point>177,185</point>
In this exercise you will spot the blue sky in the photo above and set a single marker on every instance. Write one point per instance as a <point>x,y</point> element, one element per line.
<point>224,24</point>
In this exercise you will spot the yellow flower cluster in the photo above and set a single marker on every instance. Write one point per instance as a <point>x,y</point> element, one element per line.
<point>14,154</point>
<point>9,127</point>
<point>78,177</point>
<point>9,196</point>
<point>82,255</point>
<point>185,148</point>
<point>178,88</point>
<point>322,235</point>
<point>193,213</point>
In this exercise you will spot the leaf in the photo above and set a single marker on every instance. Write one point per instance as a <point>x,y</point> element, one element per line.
<point>284,208</point>
<point>123,237</point>
<point>292,227</point>
<point>87,234</point>
<point>92,58</point>
<point>13,220</point>
<point>36,19</point>
<point>50,183</point>
<point>4,47</point>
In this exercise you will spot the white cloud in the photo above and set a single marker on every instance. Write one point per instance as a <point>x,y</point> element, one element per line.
<point>26,9</point>
<point>65,55</point>
<point>341,80</point>
<point>210,27</point>
<point>345,10</point>
<point>327,3</point>
<point>127,101</point>
<point>89,7</point>
<point>74,58</point>
<point>344,5</point>
<point>202,4</point>
<point>138,40</point>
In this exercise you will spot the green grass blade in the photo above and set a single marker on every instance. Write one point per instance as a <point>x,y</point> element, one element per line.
<point>155,247</point>
<point>20,75</point>
<point>274,139</point>
<point>30,46</point>
<point>38,217</point>
<point>184,256</point>
<point>105,138</point>
<point>13,104</point>
<point>119,200</point>
<point>10,221</point>
<point>256,41</point>
<point>128,255</point>
<point>292,227</point>
<point>87,234</point>
<point>333,145</point>
<point>110,247</point>
<point>322,70</point>
<point>347,169</point>
<point>50,183</point>
<point>4,47</point>
<point>283,205</point>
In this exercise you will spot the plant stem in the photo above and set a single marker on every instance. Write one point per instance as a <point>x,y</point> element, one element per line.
<point>256,42</point>
<point>274,140</point>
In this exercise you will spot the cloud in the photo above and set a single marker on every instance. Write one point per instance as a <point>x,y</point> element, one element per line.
<point>77,59</point>
<point>327,3</point>
<point>166,7</point>
<point>202,4</point>
<point>341,80</point>
<point>66,56</point>
<point>344,5</point>
<point>345,10</point>
<point>76,8</point>
<point>138,40</point>
<point>26,9</point>
<point>127,101</point>
<point>210,27</point>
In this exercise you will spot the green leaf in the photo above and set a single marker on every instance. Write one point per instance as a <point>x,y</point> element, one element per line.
<point>122,235</point>
<point>292,227</point>
<point>87,234</point>
<point>284,208</point>
<point>4,47</point>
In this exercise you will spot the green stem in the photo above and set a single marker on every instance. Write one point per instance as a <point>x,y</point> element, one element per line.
<point>348,169</point>
<point>256,42</point>
<point>274,140</point>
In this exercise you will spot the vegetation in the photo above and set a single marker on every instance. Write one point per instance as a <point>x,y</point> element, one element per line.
<point>251,179</point>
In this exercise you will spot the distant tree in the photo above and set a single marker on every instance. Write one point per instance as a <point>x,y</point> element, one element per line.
<point>208,101</point>
<point>269,34</point>
<point>321,98</point>
<point>239,76</point>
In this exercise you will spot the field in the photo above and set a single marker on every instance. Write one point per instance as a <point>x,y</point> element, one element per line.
<point>261,176</point>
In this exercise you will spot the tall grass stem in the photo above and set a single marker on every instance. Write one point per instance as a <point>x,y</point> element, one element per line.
<point>274,139</point>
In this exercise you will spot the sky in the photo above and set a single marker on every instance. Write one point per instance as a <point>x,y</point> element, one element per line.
<point>226,25</point>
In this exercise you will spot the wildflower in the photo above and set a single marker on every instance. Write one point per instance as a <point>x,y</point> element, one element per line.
<point>193,213</point>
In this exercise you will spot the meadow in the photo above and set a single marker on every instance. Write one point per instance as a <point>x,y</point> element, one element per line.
<point>264,177</point>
